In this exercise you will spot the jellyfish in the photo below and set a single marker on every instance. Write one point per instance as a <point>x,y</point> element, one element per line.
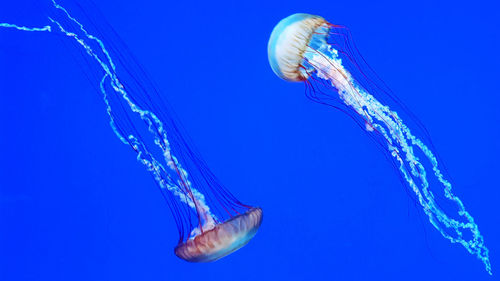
<point>307,48</point>
<point>211,221</point>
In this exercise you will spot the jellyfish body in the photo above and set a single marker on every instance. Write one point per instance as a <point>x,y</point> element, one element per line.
<point>307,48</point>
<point>221,240</point>
<point>211,222</point>
<point>289,43</point>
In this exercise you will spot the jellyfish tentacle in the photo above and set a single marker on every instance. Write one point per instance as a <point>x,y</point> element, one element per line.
<point>46,28</point>
<point>400,139</point>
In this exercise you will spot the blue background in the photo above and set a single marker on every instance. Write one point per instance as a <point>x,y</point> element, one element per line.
<point>76,205</point>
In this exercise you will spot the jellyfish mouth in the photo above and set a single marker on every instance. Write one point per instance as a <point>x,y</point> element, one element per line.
<point>221,240</point>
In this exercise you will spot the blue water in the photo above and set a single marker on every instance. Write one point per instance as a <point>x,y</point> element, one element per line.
<point>76,205</point>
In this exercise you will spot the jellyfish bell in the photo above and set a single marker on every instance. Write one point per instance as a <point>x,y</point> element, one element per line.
<point>306,48</point>
<point>222,239</point>
<point>288,43</point>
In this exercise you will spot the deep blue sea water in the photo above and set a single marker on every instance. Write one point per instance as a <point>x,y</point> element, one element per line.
<point>76,205</point>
